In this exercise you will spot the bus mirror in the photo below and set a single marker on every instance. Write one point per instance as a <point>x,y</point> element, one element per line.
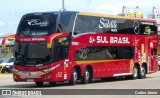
<point>63,41</point>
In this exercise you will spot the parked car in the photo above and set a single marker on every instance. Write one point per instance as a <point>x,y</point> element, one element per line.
<point>1,60</point>
<point>159,62</point>
<point>6,65</point>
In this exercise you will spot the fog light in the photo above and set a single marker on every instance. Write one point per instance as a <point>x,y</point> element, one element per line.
<point>47,77</point>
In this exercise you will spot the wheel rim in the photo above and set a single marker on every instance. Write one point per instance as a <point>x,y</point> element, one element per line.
<point>75,76</point>
<point>135,72</point>
<point>142,71</point>
<point>87,75</point>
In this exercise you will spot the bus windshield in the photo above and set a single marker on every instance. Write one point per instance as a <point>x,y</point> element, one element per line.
<point>28,54</point>
<point>37,25</point>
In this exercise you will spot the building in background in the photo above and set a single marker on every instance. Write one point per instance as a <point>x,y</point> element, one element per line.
<point>135,13</point>
<point>156,15</point>
<point>132,12</point>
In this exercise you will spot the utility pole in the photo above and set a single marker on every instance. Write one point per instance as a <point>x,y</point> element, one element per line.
<point>63,9</point>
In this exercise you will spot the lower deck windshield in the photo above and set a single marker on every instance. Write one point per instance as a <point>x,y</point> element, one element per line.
<point>37,54</point>
<point>30,54</point>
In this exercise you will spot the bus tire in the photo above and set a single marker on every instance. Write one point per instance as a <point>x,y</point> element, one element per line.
<point>86,76</point>
<point>39,84</point>
<point>74,77</point>
<point>135,72</point>
<point>142,72</point>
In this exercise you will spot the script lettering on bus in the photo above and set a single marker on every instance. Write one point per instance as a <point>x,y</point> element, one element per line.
<point>32,39</point>
<point>147,23</point>
<point>38,39</point>
<point>25,39</point>
<point>35,22</point>
<point>110,24</point>
<point>118,40</point>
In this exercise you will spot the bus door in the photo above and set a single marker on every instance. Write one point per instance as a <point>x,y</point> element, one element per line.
<point>151,56</point>
<point>60,52</point>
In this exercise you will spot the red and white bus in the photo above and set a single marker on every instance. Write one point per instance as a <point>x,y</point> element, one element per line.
<point>70,46</point>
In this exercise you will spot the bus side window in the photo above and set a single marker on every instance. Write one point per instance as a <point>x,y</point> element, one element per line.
<point>60,48</point>
<point>125,52</point>
<point>82,25</point>
<point>59,29</point>
<point>154,51</point>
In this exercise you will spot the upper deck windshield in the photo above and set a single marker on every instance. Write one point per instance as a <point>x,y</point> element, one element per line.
<point>37,25</point>
<point>44,24</point>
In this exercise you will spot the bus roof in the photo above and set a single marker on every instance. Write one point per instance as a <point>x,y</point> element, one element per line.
<point>114,16</point>
<point>58,12</point>
<point>94,14</point>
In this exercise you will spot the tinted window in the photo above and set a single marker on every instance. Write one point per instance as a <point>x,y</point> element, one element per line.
<point>37,25</point>
<point>123,26</point>
<point>60,48</point>
<point>66,22</point>
<point>104,53</point>
<point>8,60</point>
<point>83,24</point>
<point>1,61</point>
<point>114,25</point>
<point>27,54</point>
<point>11,60</point>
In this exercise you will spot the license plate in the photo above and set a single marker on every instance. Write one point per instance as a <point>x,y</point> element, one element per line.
<point>30,80</point>
<point>27,76</point>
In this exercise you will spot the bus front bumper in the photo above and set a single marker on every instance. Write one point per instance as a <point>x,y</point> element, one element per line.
<point>47,75</point>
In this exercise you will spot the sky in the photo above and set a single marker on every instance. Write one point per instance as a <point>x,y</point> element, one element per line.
<point>11,11</point>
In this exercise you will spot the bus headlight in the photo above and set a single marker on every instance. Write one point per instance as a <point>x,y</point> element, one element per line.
<point>15,70</point>
<point>50,69</point>
<point>47,70</point>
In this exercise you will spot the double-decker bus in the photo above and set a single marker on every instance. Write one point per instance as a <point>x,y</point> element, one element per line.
<point>70,46</point>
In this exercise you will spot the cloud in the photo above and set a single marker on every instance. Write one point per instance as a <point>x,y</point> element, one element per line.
<point>109,9</point>
<point>115,6</point>
<point>1,23</point>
